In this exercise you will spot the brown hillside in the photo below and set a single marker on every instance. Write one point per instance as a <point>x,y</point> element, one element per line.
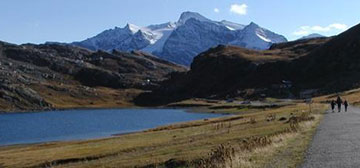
<point>230,71</point>
<point>56,76</point>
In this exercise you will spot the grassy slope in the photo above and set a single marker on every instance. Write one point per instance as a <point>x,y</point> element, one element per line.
<point>77,96</point>
<point>352,96</point>
<point>187,141</point>
<point>73,95</point>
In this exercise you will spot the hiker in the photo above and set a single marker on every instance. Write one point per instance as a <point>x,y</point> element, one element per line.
<point>332,105</point>
<point>346,104</point>
<point>339,102</point>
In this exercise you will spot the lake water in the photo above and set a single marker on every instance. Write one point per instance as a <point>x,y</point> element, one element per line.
<point>34,127</point>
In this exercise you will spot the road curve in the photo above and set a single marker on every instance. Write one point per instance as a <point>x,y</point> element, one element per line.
<point>336,143</point>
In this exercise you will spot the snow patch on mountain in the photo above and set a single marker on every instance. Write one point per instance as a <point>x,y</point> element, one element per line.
<point>162,32</point>
<point>232,25</point>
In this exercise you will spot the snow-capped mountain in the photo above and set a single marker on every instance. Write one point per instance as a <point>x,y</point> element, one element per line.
<point>255,37</point>
<point>192,38</point>
<point>232,26</point>
<point>129,38</point>
<point>192,15</point>
<point>310,36</point>
<point>181,41</point>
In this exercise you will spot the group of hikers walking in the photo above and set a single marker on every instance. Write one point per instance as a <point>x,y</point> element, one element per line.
<point>338,102</point>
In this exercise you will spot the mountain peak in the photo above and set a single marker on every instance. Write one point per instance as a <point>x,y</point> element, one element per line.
<point>132,28</point>
<point>253,24</point>
<point>188,15</point>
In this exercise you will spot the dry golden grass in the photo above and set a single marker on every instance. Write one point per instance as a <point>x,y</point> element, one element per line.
<point>260,151</point>
<point>5,106</point>
<point>352,96</point>
<point>65,96</point>
<point>223,107</point>
<point>282,52</point>
<point>186,142</point>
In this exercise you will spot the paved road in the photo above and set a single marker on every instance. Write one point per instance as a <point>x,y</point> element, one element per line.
<point>336,143</point>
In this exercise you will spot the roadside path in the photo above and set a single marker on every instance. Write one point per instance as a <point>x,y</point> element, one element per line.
<point>336,143</point>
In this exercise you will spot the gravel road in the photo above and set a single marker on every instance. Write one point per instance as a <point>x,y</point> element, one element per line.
<point>336,143</point>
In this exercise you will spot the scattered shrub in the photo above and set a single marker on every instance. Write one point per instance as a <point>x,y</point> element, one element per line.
<point>252,120</point>
<point>271,117</point>
<point>282,119</point>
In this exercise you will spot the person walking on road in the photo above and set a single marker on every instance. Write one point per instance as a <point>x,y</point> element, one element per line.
<point>346,104</point>
<point>339,102</point>
<point>332,105</point>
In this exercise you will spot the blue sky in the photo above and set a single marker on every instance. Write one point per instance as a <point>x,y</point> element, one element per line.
<point>37,21</point>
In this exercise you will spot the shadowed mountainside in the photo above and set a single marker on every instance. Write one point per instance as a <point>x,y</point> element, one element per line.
<point>229,71</point>
<point>312,66</point>
<point>334,66</point>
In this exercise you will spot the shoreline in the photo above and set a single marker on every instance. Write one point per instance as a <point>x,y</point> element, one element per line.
<point>104,108</point>
<point>113,135</point>
<point>192,109</point>
<point>63,109</point>
<point>74,140</point>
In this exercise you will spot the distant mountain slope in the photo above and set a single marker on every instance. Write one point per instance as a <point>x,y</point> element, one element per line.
<point>61,76</point>
<point>174,42</point>
<point>255,37</point>
<point>310,36</point>
<point>192,38</point>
